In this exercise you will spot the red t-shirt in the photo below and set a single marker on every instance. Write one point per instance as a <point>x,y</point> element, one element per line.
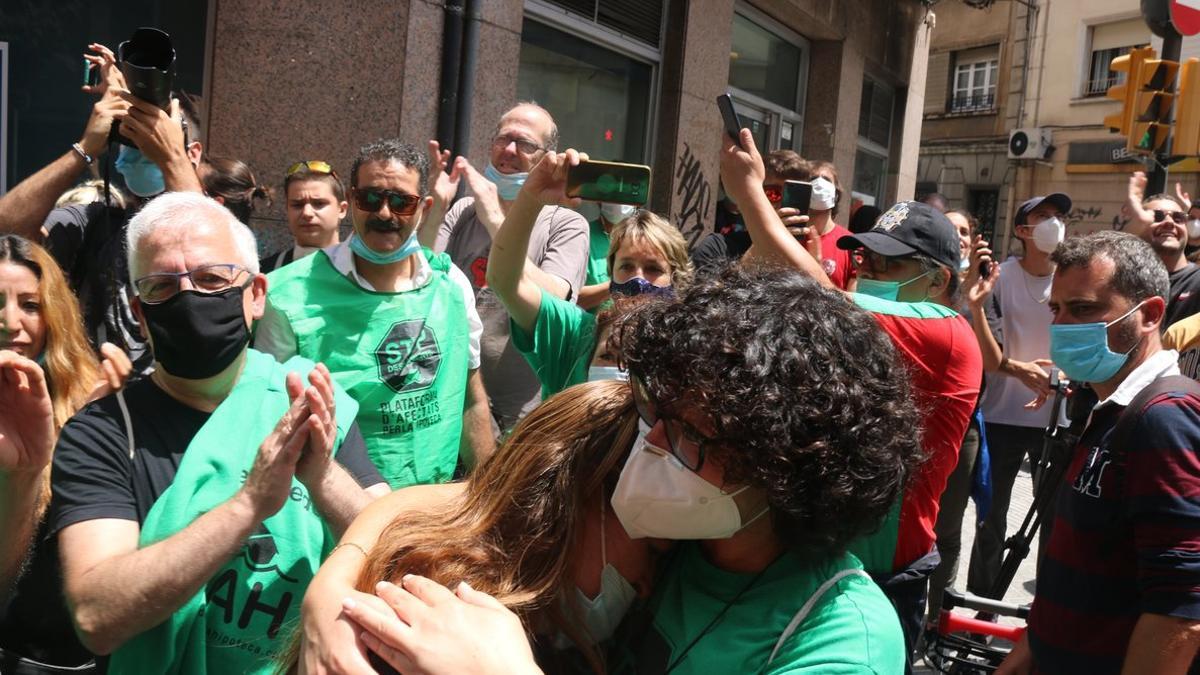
<point>834,260</point>
<point>942,356</point>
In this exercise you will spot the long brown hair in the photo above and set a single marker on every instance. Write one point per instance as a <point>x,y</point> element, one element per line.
<point>511,533</point>
<point>68,359</point>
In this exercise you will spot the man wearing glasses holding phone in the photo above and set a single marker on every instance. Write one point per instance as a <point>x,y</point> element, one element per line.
<point>557,254</point>
<point>223,470</point>
<point>316,204</point>
<point>395,324</point>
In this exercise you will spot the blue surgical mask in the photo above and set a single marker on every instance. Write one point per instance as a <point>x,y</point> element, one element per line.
<point>884,290</point>
<point>603,613</point>
<point>507,184</point>
<point>1081,350</point>
<point>142,176</point>
<point>964,264</point>
<point>601,373</point>
<point>361,249</point>
<point>639,286</point>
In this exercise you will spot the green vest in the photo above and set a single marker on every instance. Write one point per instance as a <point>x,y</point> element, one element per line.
<point>237,623</point>
<point>402,356</point>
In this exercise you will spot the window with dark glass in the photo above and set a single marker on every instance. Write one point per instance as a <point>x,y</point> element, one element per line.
<point>599,98</point>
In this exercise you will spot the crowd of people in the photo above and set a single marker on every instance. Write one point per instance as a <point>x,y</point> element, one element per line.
<point>485,435</point>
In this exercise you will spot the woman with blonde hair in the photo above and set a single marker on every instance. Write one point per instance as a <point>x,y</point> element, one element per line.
<point>532,527</point>
<point>48,371</point>
<point>564,344</point>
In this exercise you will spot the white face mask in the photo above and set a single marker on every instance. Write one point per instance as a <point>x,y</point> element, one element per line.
<point>616,213</point>
<point>601,373</point>
<point>1193,228</point>
<point>1048,234</point>
<point>824,195</point>
<point>656,496</point>
<point>603,613</point>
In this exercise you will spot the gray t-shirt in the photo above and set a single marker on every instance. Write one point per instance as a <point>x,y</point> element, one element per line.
<point>558,245</point>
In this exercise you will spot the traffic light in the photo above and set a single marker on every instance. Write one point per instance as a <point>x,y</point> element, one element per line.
<point>1131,65</point>
<point>1187,111</point>
<point>1154,97</point>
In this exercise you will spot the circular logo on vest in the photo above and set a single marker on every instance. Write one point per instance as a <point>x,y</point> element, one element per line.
<point>408,356</point>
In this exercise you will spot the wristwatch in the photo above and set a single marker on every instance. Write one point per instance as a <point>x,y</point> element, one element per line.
<point>87,159</point>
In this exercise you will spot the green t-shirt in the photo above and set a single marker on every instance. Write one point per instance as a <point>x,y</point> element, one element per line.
<point>561,346</point>
<point>597,267</point>
<point>851,628</point>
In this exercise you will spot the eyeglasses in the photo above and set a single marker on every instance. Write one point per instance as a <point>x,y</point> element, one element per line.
<point>1161,216</point>
<point>373,199</point>
<point>524,145</point>
<point>686,444</point>
<point>153,289</point>
<point>312,166</point>
<point>774,193</point>
<point>875,262</point>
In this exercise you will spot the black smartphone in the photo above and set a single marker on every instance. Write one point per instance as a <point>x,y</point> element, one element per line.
<point>733,125</point>
<point>796,195</point>
<point>612,182</point>
<point>985,269</point>
<point>91,74</point>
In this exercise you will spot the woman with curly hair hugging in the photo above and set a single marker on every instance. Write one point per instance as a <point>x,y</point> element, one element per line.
<point>778,427</point>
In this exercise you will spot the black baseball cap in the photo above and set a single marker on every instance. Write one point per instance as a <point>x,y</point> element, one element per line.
<point>1058,199</point>
<point>908,228</point>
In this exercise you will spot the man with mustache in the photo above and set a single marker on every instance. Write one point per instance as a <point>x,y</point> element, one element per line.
<point>395,324</point>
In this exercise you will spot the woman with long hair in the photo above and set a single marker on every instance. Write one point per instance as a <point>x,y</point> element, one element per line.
<point>532,527</point>
<point>48,371</point>
<point>564,344</point>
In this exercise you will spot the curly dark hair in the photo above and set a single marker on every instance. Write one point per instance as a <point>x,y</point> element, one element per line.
<point>807,388</point>
<point>395,150</point>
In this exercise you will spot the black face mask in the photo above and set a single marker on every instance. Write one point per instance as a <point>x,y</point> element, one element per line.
<point>197,335</point>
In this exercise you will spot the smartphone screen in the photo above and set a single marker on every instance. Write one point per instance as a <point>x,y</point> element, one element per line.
<point>611,182</point>
<point>797,195</point>
<point>733,125</point>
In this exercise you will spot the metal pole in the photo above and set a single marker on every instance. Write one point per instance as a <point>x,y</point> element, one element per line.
<point>452,36</point>
<point>466,82</point>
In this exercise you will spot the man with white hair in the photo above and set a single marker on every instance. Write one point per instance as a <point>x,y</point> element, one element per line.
<point>193,508</point>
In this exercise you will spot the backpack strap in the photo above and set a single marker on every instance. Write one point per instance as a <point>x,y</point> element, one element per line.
<point>1123,429</point>
<point>810,604</point>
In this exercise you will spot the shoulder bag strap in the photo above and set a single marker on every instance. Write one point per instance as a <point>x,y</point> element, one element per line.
<point>808,607</point>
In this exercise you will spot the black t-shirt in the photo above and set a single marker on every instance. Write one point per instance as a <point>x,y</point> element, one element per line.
<point>276,260</point>
<point>94,477</point>
<point>89,245</point>
<point>1184,297</point>
<point>34,622</point>
<point>717,250</point>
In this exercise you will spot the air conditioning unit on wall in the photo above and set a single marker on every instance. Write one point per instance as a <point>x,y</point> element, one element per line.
<point>1029,143</point>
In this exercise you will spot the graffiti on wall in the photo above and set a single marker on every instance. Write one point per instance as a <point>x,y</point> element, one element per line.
<point>693,194</point>
<point>1080,214</point>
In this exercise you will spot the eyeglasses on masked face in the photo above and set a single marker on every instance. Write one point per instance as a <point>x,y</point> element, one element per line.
<point>686,444</point>
<point>153,289</point>
<point>874,262</point>
<point>372,200</point>
<point>524,145</point>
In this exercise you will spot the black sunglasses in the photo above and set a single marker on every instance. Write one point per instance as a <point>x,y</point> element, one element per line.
<point>373,199</point>
<point>1161,216</point>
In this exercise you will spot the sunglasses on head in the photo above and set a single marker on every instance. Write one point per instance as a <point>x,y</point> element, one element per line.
<point>373,199</point>
<point>1161,216</point>
<point>774,193</point>
<point>312,166</point>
